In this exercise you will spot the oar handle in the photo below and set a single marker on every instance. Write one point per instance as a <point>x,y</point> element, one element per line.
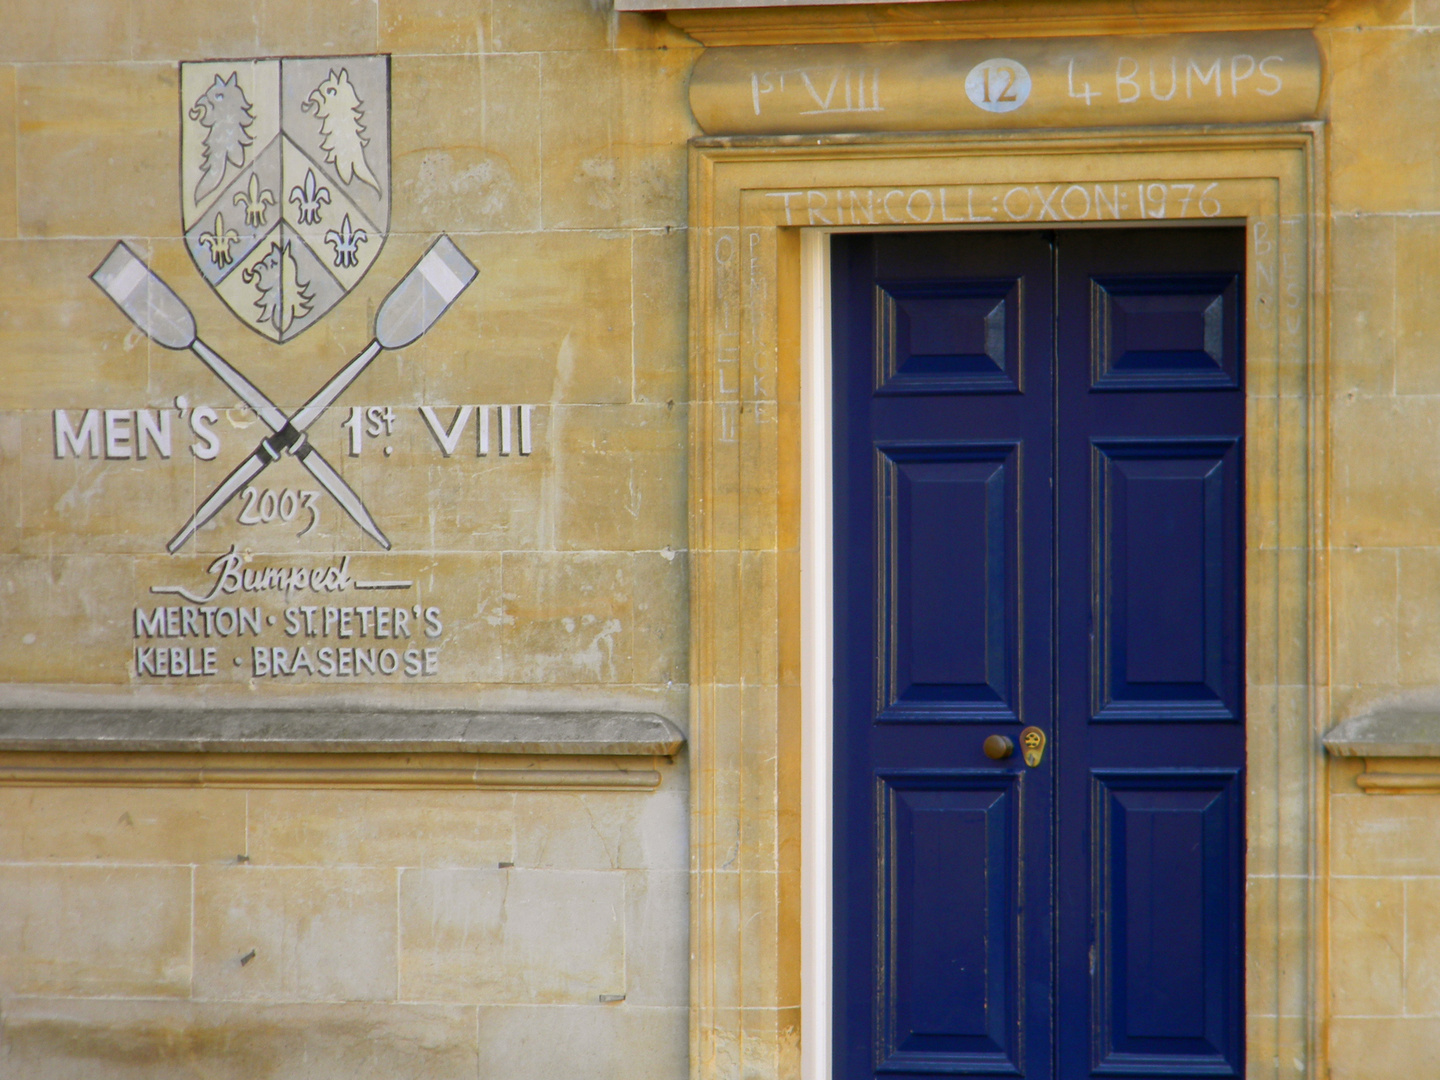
<point>246,471</point>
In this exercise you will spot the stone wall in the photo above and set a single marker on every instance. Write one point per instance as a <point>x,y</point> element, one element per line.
<point>348,933</point>
<point>148,932</point>
<point>1384,191</point>
<point>317,934</point>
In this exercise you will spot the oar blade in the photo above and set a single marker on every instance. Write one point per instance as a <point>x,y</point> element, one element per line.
<point>423,294</point>
<point>159,313</point>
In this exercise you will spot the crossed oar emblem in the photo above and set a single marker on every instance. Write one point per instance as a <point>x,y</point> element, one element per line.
<point>412,307</point>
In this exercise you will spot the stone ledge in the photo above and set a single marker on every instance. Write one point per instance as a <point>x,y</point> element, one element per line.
<point>349,731</point>
<point>1389,739</point>
<point>1387,732</point>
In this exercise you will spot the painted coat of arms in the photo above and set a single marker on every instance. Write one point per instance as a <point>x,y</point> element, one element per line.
<point>285,181</point>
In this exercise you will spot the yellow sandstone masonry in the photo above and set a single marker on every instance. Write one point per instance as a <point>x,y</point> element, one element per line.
<point>636,320</point>
<point>525,458</point>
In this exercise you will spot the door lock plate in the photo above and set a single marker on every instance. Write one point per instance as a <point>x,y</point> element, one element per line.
<point>1032,745</point>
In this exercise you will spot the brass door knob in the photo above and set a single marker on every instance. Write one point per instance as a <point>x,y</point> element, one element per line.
<point>999,747</point>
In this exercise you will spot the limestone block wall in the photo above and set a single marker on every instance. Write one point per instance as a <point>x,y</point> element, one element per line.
<point>151,933</point>
<point>1384,191</point>
<point>318,934</point>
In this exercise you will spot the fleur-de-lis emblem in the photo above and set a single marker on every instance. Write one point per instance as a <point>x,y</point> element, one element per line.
<point>346,242</point>
<point>219,242</point>
<point>309,197</point>
<point>255,199</point>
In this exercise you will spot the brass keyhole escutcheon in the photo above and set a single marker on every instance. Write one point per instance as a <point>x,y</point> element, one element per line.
<point>1032,745</point>
<point>999,747</point>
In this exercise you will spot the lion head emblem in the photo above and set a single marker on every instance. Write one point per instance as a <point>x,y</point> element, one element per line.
<point>283,296</point>
<point>225,114</point>
<point>342,131</point>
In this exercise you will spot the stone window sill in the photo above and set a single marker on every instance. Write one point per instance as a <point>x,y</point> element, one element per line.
<point>1400,748</point>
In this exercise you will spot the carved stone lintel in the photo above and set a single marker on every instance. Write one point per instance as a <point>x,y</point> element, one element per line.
<point>1015,83</point>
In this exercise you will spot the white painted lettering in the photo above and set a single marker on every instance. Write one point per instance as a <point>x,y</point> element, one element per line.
<point>1236,78</point>
<point>1084,211</point>
<point>1085,92</point>
<point>207,448</point>
<point>1274,78</point>
<point>1174,81</point>
<point>447,438</point>
<point>152,429</point>
<point>1127,89</point>
<point>889,212</point>
<point>117,433</point>
<point>814,207</point>
<point>87,438</point>
<point>1046,201</point>
<point>929,205</point>
<point>1212,72</point>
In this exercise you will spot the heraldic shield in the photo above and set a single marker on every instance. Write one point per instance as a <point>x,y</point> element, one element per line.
<point>285,181</point>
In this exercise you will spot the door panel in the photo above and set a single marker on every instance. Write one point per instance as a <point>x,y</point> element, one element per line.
<point>1166,331</point>
<point>950,987</point>
<point>1164,642</point>
<point>957,337</point>
<point>948,643</point>
<point>1039,493</point>
<point>1168,901</point>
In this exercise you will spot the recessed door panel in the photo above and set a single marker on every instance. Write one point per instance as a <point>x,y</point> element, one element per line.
<point>1166,331</point>
<point>947,583</point>
<point>1167,891</point>
<point>949,953</point>
<point>947,337</point>
<point>1166,646</point>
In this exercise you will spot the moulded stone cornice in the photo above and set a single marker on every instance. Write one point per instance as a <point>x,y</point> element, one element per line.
<point>355,748</point>
<point>984,19</point>
<point>336,731</point>
<point>425,771</point>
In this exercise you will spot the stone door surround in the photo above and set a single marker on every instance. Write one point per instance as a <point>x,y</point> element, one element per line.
<point>752,722</point>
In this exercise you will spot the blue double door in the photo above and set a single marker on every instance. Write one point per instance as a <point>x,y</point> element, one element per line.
<point>1039,526</point>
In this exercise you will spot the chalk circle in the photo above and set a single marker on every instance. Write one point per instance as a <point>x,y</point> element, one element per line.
<point>998,85</point>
